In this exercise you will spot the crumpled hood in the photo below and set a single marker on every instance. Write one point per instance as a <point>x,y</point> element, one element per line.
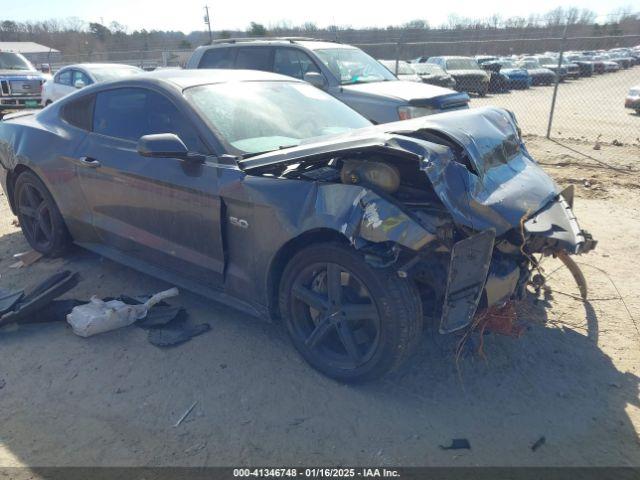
<point>506,183</point>
<point>400,89</point>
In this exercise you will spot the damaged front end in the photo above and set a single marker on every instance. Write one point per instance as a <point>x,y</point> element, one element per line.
<point>453,201</point>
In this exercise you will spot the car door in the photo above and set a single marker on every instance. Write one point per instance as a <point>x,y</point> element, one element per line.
<point>254,58</point>
<point>62,85</point>
<point>80,76</point>
<point>164,211</point>
<point>293,62</point>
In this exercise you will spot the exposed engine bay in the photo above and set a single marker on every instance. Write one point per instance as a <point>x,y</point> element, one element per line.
<point>483,211</point>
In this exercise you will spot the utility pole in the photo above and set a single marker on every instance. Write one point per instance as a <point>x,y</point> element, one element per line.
<point>208,22</point>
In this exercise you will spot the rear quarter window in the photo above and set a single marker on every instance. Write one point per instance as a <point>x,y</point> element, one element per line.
<point>79,113</point>
<point>254,58</point>
<point>218,58</point>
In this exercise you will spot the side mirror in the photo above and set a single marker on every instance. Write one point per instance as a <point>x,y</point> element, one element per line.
<point>79,84</point>
<point>162,145</point>
<point>316,79</point>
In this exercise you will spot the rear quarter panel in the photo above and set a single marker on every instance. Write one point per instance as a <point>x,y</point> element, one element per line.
<point>46,145</point>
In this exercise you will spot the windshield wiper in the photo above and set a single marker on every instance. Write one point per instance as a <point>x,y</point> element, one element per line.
<point>255,154</point>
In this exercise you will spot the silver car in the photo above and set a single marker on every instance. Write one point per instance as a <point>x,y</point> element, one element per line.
<point>344,71</point>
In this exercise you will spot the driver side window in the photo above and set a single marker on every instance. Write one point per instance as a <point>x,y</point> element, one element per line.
<point>64,78</point>
<point>293,63</point>
<point>130,113</point>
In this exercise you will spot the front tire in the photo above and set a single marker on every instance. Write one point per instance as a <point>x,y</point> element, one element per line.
<point>349,320</point>
<point>40,220</point>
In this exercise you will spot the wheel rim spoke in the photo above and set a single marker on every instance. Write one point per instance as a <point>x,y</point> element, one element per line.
<point>33,230</point>
<point>334,284</point>
<point>319,333</point>
<point>348,341</point>
<point>313,299</point>
<point>45,228</point>
<point>357,311</point>
<point>32,197</point>
<point>28,211</point>
<point>36,217</point>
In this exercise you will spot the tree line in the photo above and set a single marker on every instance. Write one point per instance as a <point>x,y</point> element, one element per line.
<point>75,36</point>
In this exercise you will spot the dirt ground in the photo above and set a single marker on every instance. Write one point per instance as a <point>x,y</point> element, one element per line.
<point>587,109</point>
<point>113,399</point>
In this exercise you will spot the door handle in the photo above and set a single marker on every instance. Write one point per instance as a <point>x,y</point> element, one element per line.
<point>89,162</point>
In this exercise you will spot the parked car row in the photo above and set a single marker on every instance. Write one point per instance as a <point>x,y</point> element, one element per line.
<point>492,74</point>
<point>382,91</point>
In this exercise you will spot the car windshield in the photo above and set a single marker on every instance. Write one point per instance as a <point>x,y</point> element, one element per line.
<point>255,117</point>
<point>530,64</point>
<point>351,65</point>
<point>403,67</point>
<point>507,64</point>
<point>427,68</point>
<point>462,64</point>
<point>14,61</point>
<point>104,74</point>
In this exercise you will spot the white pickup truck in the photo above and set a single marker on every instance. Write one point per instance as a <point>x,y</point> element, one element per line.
<point>20,83</point>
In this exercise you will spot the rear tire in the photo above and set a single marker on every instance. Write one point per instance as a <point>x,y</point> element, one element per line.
<point>40,220</point>
<point>359,326</point>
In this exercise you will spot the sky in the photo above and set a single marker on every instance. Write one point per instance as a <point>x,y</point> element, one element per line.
<point>151,14</point>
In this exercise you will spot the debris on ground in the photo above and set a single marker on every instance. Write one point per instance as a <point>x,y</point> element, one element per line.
<point>99,316</point>
<point>33,304</point>
<point>458,444</point>
<point>25,259</point>
<point>167,325</point>
<point>15,222</point>
<point>538,443</point>
<point>186,414</point>
<point>502,320</point>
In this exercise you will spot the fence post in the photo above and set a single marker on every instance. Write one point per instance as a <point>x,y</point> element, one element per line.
<point>398,51</point>
<point>555,87</point>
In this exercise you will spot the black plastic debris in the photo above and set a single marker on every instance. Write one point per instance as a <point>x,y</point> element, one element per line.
<point>167,325</point>
<point>176,332</point>
<point>458,444</point>
<point>37,297</point>
<point>538,443</point>
<point>158,316</point>
<point>56,311</point>
<point>8,299</point>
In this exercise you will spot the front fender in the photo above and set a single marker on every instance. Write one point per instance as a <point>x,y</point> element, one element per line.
<point>362,214</point>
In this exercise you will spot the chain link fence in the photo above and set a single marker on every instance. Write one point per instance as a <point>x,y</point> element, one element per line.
<point>586,105</point>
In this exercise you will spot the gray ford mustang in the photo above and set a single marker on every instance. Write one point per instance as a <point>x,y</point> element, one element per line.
<point>265,193</point>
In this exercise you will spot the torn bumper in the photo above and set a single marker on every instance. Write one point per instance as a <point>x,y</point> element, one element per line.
<point>476,270</point>
<point>555,227</point>
<point>468,269</point>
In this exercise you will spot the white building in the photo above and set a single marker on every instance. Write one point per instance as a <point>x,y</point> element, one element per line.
<point>36,53</point>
